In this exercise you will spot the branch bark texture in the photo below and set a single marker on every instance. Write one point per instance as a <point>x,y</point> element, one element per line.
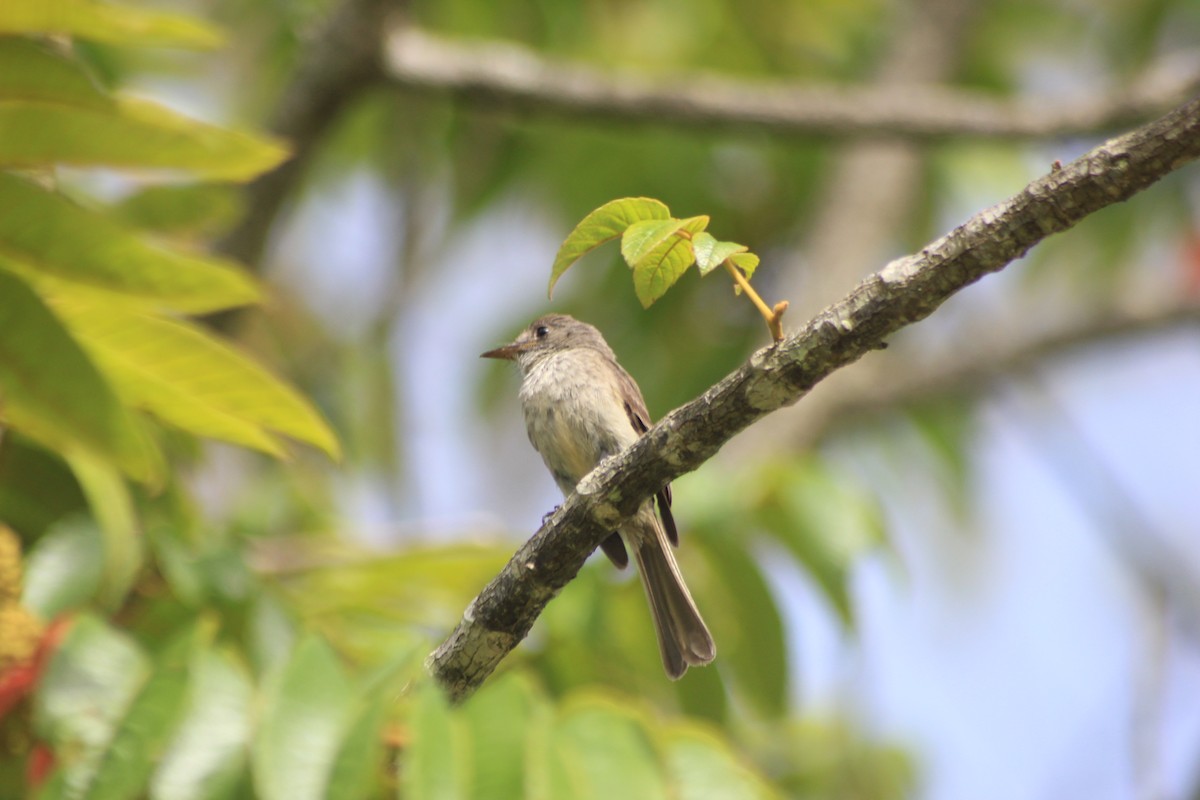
<point>510,76</point>
<point>905,291</point>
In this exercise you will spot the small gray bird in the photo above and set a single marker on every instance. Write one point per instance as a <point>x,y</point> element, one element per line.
<point>580,407</point>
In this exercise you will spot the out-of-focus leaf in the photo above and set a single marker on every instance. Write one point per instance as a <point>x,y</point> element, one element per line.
<point>753,647</point>
<point>702,767</point>
<point>435,765</point>
<point>54,394</point>
<point>823,521</point>
<point>658,269</point>
<point>191,210</point>
<point>142,734</point>
<point>498,721</point>
<point>710,252</point>
<point>192,380</point>
<point>358,766</point>
<point>131,134</point>
<point>36,488</point>
<point>605,223</point>
<point>113,510</point>
<point>946,426</point>
<point>107,22</point>
<point>302,725</point>
<point>46,238</point>
<point>64,569</point>
<point>31,71</point>
<point>89,685</point>
<point>702,693</point>
<point>208,753</point>
<point>604,750</point>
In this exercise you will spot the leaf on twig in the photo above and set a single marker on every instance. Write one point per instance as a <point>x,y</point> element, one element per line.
<point>604,224</point>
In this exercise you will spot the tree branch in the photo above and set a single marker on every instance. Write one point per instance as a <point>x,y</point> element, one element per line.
<point>512,76</point>
<point>339,61</point>
<point>905,291</point>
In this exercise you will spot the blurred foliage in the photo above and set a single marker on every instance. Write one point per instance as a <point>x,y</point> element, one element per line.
<point>248,650</point>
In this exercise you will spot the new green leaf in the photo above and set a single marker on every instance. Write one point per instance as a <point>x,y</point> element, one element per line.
<point>658,269</point>
<point>710,252</point>
<point>604,224</point>
<point>641,238</point>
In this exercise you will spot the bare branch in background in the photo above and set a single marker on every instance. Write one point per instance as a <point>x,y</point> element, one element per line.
<point>489,73</point>
<point>904,292</point>
<point>339,61</point>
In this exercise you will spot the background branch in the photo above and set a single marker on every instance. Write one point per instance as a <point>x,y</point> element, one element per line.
<point>489,73</point>
<point>339,61</point>
<point>904,292</point>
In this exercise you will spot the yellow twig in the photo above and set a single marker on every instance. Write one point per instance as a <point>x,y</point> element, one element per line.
<point>773,316</point>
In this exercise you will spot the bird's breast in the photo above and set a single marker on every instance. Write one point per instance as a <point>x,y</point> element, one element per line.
<point>574,415</point>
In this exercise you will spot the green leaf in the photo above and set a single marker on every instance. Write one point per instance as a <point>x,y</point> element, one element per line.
<point>710,253</point>
<point>753,646</point>
<point>192,380</point>
<point>130,134</point>
<point>658,269</point>
<point>192,210</point>
<point>604,224</point>
<point>105,22</point>
<point>359,763</point>
<point>703,767</point>
<point>54,394</point>
<point>112,508</point>
<point>604,750</point>
<point>747,263</point>
<point>143,733</point>
<point>303,723</point>
<point>64,569</point>
<point>30,71</point>
<point>208,754</point>
<point>824,522</point>
<point>47,239</point>
<point>499,718</point>
<point>89,685</point>
<point>36,487</point>
<point>436,762</point>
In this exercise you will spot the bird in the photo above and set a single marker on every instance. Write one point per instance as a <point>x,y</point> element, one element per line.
<point>580,407</point>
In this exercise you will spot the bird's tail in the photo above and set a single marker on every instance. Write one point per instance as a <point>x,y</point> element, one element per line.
<point>683,638</point>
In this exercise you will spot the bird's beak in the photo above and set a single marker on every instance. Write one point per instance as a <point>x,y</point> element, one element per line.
<point>508,352</point>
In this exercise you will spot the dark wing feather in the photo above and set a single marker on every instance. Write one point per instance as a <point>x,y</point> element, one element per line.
<point>639,417</point>
<point>614,548</point>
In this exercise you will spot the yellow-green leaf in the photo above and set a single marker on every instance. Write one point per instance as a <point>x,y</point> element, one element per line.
<point>51,391</point>
<point>44,237</point>
<point>746,262</point>
<point>131,133</point>
<point>658,269</point>
<point>641,238</point>
<point>105,22</point>
<point>31,71</point>
<point>190,379</point>
<point>604,224</point>
<point>710,252</point>
<point>189,210</point>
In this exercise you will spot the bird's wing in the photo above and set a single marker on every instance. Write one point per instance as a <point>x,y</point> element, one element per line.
<point>639,418</point>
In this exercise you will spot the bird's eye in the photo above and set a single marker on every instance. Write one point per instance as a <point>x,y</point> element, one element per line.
<point>541,332</point>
